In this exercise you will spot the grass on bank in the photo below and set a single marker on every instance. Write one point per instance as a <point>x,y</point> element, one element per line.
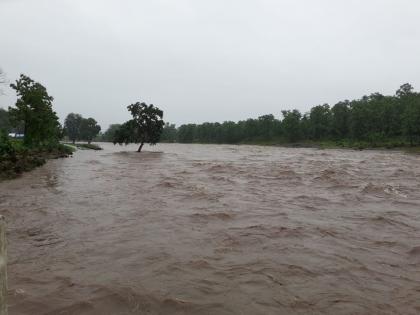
<point>15,158</point>
<point>84,146</point>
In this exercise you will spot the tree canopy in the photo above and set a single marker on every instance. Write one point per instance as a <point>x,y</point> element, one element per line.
<point>72,125</point>
<point>89,129</point>
<point>5,125</point>
<point>78,128</point>
<point>109,134</point>
<point>145,127</point>
<point>34,108</point>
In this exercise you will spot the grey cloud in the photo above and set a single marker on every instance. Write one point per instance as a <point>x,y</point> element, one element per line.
<point>208,60</point>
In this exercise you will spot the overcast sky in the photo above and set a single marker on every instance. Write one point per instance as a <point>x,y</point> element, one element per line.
<point>208,60</point>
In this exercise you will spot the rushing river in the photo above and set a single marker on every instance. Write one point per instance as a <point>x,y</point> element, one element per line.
<point>206,229</point>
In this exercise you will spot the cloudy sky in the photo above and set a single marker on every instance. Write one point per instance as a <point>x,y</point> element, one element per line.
<point>208,60</point>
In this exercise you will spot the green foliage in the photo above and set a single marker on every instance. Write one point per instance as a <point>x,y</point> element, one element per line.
<point>5,124</point>
<point>109,134</point>
<point>145,127</point>
<point>340,122</point>
<point>6,148</point>
<point>186,133</point>
<point>34,109</point>
<point>168,133</point>
<point>264,128</point>
<point>78,128</point>
<point>291,125</point>
<point>320,119</point>
<point>83,146</point>
<point>89,129</point>
<point>16,158</point>
<point>65,149</point>
<point>72,126</point>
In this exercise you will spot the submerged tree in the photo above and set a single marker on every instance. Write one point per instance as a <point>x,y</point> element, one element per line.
<point>145,127</point>
<point>34,109</point>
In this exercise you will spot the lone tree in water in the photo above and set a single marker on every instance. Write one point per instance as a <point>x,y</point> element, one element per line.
<point>145,127</point>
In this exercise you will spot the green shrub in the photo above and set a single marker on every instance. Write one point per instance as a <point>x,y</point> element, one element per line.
<point>6,148</point>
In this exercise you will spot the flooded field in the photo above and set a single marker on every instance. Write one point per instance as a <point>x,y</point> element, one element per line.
<point>204,229</point>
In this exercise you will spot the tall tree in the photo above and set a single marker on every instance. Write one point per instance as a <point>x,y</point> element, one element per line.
<point>341,119</point>
<point>410,103</point>
<point>89,129</point>
<point>320,121</point>
<point>34,109</point>
<point>291,125</point>
<point>145,127</point>
<point>72,125</point>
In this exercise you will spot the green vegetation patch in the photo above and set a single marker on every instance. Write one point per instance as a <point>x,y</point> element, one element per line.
<point>16,158</point>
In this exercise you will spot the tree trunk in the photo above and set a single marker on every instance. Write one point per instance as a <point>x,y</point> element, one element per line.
<point>140,147</point>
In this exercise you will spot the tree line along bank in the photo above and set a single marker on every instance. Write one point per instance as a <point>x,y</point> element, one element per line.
<point>371,121</point>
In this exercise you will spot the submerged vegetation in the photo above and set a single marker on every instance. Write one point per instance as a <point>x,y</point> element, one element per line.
<point>372,121</point>
<point>145,127</point>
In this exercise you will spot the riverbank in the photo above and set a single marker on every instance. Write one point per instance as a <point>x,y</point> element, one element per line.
<point>16,159</point>
<point>84,146</point>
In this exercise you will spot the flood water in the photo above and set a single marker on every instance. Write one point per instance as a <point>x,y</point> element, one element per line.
<point>216,229</point>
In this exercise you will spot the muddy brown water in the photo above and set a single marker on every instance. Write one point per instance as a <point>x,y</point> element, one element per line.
<point>206,229</point>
